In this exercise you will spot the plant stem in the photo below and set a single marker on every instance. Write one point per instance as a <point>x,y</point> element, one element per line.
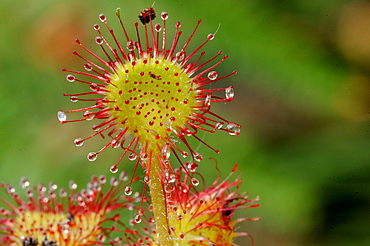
<point>158,202</point>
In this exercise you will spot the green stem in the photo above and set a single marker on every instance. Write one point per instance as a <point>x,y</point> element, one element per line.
<point>158,202</point>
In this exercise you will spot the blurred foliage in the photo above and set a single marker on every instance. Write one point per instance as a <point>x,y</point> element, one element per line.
<point>302,97</point>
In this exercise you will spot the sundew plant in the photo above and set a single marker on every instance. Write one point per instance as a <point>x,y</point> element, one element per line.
<point>149,96</point>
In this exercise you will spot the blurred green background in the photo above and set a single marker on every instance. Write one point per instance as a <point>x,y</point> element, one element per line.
<point>302,97</point>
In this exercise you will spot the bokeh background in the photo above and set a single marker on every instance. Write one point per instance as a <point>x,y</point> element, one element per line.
<point>302,97</point>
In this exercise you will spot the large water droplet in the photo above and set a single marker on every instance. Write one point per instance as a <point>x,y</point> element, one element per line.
<point>92,156</point>
<point>212,75</point>
<point>229,92</point>
<point>62,116</point>
<point>88,115</point>
<point>79,142</point>
<point>128,190</point>
<point>233,128</point>
<point>113,169</point>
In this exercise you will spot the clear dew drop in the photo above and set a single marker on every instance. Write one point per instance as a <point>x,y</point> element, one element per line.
<point>172,178</point>
<point>168,189</point>
<point>187,133</point>
<point>143,156</point>
<point>96,27</point>
<point>101,238</point>
<point>72,185</point>
<point>219,125</point>
<point>132,156</point>
<point>70,78</point>
<point>99,40</point>
<point>137,218</point>
<point>79,142</point>
<point>29,193</point>
<point>207,100</point>
<point>164,15</point>
<point>92,156</point>
<point>123,176</point>
<point>73,99</point>
<point>192,167</point>
<point>184,154</point>
<point>128,190</point>
<point>24,182</point>
<point>233,129</point>
<point>113,181</point>
<point>166,151</point>
<point>130,45</point>
<point>88,67</point>
<point>41,188</point>
<point>113,169</point>
<point>180,56</point>
<point>212,75</point>
<point>210,36</point>
<point>198,157</point>
<point>52,186</point>
<point>115,143</point>
<point>102,18</point>
<point>229,92</point>
<point>62,193</point>
<point>88,115</point>
<point>195,181</point>
<point>62,116</point>
<point>102,179</point>
<point>146,179</point>
<point>118,240</point>
<point>157,27</point>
